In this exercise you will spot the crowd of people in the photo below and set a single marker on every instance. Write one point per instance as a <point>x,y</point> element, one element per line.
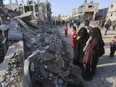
<point>59,22</point>
<point>88,45</point>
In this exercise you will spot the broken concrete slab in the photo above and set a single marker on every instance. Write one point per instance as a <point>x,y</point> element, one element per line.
<point>52,48</point>
<point>59,60</point>
<point>12,49</point>
<point>14,31</point>
<point>48,56</point>
<point>12,65</point>
<point>15,35</point>
<point>4,27</point>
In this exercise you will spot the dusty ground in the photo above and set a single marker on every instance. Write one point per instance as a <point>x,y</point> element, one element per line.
<point>106,69</point>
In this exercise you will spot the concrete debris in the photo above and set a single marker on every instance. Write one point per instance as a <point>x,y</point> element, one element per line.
<point>48,56</point>
<point>14,31</point>
<point>46,59</point>
<point>27,79</point>
<point>60,61</point>
<point>4,27</point>
<point>11,70</point>
<point>73,81</point>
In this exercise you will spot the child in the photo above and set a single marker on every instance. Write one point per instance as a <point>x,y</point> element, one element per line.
<point>66,32</point>
<point>73,35</point>
<point>113,47</point>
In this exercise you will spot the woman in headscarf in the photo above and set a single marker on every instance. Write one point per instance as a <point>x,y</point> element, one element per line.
<point>80,43</point>
<point>91,56</point>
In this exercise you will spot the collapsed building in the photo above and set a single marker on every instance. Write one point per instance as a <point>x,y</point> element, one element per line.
<point>38,10</point>
<point>34,55</point>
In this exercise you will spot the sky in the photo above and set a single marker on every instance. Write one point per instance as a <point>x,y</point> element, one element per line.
<point>64,7</point>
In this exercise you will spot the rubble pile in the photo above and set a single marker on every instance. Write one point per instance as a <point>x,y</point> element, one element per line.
<point>47,62</point>
<point>49,59</point>
<point>13,76</point>
<point>11,69</point>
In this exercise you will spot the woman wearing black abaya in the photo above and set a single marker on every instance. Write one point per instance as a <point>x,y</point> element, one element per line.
<point>80,43</point>
<point>92,53</point>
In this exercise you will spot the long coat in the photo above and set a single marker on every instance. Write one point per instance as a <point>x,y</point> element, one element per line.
<point>78,51</point>
<point>90,59</point>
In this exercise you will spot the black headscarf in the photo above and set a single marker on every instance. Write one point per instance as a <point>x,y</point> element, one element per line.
<point>83,33</point>
<point>96,33</point>
<point>79,45</point>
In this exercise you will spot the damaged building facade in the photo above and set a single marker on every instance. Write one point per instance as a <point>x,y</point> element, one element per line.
<point>34,56</point>
<point>111,11</point>
<point>86,11</point>
<point>37,9</point>
<point>102,13</point>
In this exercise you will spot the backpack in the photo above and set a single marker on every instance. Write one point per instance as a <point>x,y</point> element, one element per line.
<point>101,50</point>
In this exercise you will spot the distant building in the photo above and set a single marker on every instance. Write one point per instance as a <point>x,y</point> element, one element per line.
<point>112,11</point>
<point>87,10</point>
<point>102,13</point>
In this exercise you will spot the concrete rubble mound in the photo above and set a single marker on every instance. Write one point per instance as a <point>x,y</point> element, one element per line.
<point>39,59</point>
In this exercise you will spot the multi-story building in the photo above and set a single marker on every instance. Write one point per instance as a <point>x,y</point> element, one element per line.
<point>111,11</point>
<point>87,10</point>
<point>41,10</point>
